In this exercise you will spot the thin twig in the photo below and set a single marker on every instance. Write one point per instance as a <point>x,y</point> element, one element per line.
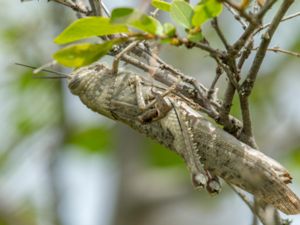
<point>96,7</point>
<point>242,12</point>
<point>215,25</point>
<point>266,7</point>
<point>247,86</point>
<point>245,54</point>
<point>250,204</point>
<point>72,5</point>
<point>229,66</point>
<point>243,197</point>
<point>280,50</point>
<point>283,20</point>
<point>104,7</point>
<point>255,220</point>
<point>236,16</point>
<point>212,88</point>
<point>260,55</point>
<point>154,13</point>
<point>248,34</point>
<point>247,132</point>
<point>226,106</point>
<point>213,52</point>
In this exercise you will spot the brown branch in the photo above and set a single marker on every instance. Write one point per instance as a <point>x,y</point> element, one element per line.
<point>228,64</point>
<point>283,20</point>
<point>236,16</point>
<point>212,88</point>
<point>248,84</point>
<point>266,7</point>
<point>279,50</point>
<point>73,6</point>
<point>247,133</point>
<point>252,27</point>
<point>241,11</point>
<point>205,47</point>
<point>216,26</point>
<point>245,54</point>
<point>228,98</point>
<point>96,7</point>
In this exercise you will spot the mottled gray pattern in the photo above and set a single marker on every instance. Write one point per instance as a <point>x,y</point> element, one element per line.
<point>223,155</point>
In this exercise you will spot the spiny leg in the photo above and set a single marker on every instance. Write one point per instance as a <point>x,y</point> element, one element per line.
<point>115,65</point>
<point>198,173</point>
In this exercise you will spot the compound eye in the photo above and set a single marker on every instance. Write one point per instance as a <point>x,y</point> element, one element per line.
<point>74,84</point>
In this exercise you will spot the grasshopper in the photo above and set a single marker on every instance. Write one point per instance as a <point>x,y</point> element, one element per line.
<point>164,115</point>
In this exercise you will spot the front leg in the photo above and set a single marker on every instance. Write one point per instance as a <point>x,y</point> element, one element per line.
<point>198,173</point>
<point>157,107</point>
<point>156,112</point>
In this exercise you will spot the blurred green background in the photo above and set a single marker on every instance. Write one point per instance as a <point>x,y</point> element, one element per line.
<point>61,164</point>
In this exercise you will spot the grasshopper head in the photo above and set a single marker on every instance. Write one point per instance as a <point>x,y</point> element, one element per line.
<point>93,84</point>
<point>83,78</point>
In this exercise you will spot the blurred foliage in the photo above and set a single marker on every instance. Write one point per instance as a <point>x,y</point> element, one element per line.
<point>37,108</point>
<point>160,156</point>
<point>92,140</point>
<point>31,114</point>
<point>295,156</point>
<point>262,97</point>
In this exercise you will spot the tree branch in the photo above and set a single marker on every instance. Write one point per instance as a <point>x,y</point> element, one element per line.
<point>248,84</point>
<point>96,7</point>
<point>73,6</point>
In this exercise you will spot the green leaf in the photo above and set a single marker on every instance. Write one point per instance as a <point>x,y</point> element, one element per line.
<point>148,24</point>
<point>121,15</point>
<point>89,27</point>
<point>162,5</point>
<point>95,139</point>
<point>195,37</point>
<point>296,155</point>
<point>182,13</point>
<point>165,41</point>
<point>169,29</point>
<point>137,20</point>
<point>159,156</point>
<point>82,54</point>
<point>206,10</point>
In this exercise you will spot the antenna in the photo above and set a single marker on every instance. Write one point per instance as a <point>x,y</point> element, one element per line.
<point>59,75</point>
